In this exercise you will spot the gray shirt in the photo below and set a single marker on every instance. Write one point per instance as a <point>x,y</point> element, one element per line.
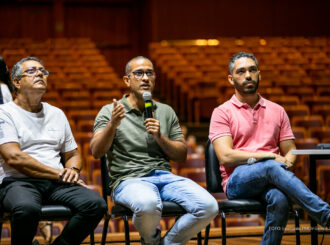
<point>134,153</point>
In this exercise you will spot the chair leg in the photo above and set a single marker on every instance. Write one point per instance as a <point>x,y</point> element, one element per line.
<point>0,230</point>
<point>223,227</point>
<point>207,233</point>
<point>92,238</point>
<point>297,226</point>
<point>127,241</point>
<point>105,230</point>
<point>199,238</point>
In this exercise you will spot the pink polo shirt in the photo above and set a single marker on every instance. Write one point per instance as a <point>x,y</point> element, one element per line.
<point>252,130</point>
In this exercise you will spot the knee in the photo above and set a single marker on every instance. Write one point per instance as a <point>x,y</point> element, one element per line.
<point>275,169</point>
<point>94,205</point>
<point>212,208</point>
<point>209,208</point>
<point>99,206</point>
<point>273,166</point>
<point>26,211</point>
<point>148,207</point>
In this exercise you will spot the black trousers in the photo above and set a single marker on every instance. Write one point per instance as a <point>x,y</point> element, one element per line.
<point>23,198</point>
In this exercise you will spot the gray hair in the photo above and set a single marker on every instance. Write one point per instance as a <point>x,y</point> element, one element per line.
<point>129,67</point>
<point>238,56</point>
<point>17,70</point>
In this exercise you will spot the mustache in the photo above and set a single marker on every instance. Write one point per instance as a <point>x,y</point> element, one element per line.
<point>249,81</point>
<point>40,80</point>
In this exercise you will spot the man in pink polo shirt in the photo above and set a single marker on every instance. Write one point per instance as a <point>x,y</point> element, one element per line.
<point>252,138</point>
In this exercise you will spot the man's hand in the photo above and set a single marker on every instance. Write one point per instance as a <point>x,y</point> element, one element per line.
<point>153,127</point>
<point>283,160</point>
<point>82,183</point>
<point>68,175</point>
<point>118,113</point>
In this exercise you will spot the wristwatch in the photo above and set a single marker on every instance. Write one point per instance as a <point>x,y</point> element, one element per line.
<point>251,160</point>
<point>76,169</point>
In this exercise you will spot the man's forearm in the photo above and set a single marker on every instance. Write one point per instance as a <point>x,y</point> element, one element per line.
<point>102,140</point>
<point>237,157</point>
<point>176,150</point>
<point>31,167</point>
<point>228,156</point>
<point>74,161</point>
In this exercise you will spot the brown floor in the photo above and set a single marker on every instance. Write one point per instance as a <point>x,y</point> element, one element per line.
<point>256,231</point>
<point>287,240</point>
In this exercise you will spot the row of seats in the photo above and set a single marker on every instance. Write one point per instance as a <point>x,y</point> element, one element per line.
<point>295,74</point>
<point>195,73</point>
<point>81,82</point>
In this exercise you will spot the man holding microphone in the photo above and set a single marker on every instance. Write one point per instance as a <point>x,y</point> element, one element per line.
<point>138,149</point>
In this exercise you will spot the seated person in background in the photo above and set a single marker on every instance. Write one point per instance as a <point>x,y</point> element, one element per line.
<point>253,140</point>
<point>34,137</point>
<point>5,84</point>
<point>138,150</point>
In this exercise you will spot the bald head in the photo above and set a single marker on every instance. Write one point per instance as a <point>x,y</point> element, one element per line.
<point>128,68</point>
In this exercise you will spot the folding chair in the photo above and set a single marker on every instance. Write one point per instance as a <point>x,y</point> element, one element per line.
<point>241,206</point>
<point>49,213</point>
<point>170,209</point>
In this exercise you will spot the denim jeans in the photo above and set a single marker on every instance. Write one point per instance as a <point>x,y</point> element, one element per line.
<point>144,197</point>
<point>275,185</point>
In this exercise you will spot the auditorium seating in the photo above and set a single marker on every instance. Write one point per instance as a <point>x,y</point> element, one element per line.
<point>195,174</point>
<point>299,132</point>
<point>312,121</point>
<point>319,133</point>
<point>323,110</point>
<point>323,177</point>
<point>297,65</point>
<point>297,110</point>
<point>193,161</point>
<point>193,79</point>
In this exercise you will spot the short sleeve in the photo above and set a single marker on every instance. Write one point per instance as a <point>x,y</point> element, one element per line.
<point>285,131</point>
<point>69,143</point>
<point>102,118</point>
<point>219,125</point>
<point>175,130</point>
<point>8,132</point>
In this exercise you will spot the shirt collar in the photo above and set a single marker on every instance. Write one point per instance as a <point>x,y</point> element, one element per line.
<point>237,103</point>
<point>128,108</point>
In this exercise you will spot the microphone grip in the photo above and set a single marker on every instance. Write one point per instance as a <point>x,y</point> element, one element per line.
<point>148,108</point>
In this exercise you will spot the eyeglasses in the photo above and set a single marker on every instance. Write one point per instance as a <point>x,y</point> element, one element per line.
<point>34,71</point>
<point>138,74</point>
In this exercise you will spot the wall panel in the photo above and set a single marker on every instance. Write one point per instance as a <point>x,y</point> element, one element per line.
<point>28,20</point>
<point>123,28</point>
<point>187,19</point>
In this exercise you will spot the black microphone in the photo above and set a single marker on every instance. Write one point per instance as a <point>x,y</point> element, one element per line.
<point>147,103</point>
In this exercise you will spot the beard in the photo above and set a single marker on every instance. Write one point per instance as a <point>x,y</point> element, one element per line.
<point>243,89</point>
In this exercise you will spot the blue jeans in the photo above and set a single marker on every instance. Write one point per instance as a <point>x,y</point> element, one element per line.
<point>144,197</point>
<point>271,182</point>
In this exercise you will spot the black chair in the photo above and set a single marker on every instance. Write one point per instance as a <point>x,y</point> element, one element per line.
<point>241,206</point>
<point>49,213</point>
<point>170,209</point>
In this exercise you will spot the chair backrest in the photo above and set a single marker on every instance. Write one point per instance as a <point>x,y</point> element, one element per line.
<point>212,169</point>
<point>106,191</point>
